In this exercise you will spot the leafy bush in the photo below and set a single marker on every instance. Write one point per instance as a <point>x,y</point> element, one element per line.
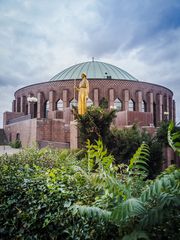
<point>141,209</point>
<point>15,144</point>
<point>103,103</point>
<point>122,143</point>
<point>94,124</point>
<point>50,194</point>
<point>37,190</point>
<point>174,137</point>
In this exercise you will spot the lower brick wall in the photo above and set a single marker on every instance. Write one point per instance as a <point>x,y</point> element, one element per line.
<point>125,118</point>
<point>33,130</point>
<point>54,130</point>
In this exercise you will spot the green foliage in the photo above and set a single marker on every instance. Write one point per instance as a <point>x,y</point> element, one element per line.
<point>174,138</point>
<point>139,160</point>
<point>37,190</point>
<point>15,144</point>
<point>162,133</point>
<point>156,158</point>
<point>97,157</point>
<point>122,143</point>
<point>94,124</point>
<point>140,210</point>
<point>135,235</point>
<point>103,103</point>
<point>92,212</point>
<point>50,194</point>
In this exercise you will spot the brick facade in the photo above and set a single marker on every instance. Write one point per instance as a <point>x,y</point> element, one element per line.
<point>54,125</point>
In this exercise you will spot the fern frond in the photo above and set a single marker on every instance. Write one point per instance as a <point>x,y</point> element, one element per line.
<point>168,199</point>
<point>129,208</point>
<point>167,183</point>
<point>97,156</point>
<point>162,196</point>
<point>139,160</point>
<point>92,212</point>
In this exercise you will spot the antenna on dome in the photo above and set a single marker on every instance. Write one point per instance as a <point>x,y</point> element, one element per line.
<point>92,59</point>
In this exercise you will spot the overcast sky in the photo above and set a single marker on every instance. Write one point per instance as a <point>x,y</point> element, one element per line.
<point>39,38</point>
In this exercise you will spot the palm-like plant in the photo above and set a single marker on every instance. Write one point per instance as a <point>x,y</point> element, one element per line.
<point>135,211</point>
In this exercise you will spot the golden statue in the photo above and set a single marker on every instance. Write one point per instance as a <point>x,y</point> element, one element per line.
<point>83,90</point>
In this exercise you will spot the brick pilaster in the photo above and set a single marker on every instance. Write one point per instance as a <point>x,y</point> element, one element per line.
<point>96,97</point>
<point>65,98</point>
<point>139,102</point>
<point>126,100</point>
<point>111,97</point>
<point>40,107</point>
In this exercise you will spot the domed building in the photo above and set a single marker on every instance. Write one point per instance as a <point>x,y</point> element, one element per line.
<point>42,112</point>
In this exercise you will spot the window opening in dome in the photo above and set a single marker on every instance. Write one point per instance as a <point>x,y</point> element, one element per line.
<point>59,105</point>
<point>131,105</point>
<point>118,104</point>
<point>73,102</point>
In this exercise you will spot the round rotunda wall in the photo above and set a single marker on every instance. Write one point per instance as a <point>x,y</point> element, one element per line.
<point>118,87</point>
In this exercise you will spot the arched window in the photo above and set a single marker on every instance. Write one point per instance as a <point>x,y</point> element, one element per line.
<point>131,106</point>
<point>59,105</point>
<point>35,110</point>
<point>118,104</point>
<point>144,107</point>
<point>46,109</point>
<point>89,102</point>
<point>73,102</point>
<point>17,136</point>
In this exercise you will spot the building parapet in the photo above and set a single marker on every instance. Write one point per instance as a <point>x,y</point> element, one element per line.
<point>19,119</point>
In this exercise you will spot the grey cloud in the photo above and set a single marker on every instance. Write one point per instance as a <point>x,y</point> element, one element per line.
<point>40,38</point>
<point>127,25</point>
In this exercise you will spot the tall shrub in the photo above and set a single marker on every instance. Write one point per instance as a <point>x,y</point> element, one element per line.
<point>95,124</point>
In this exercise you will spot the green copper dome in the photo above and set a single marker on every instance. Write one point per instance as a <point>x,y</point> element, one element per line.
<point>93,70</point>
